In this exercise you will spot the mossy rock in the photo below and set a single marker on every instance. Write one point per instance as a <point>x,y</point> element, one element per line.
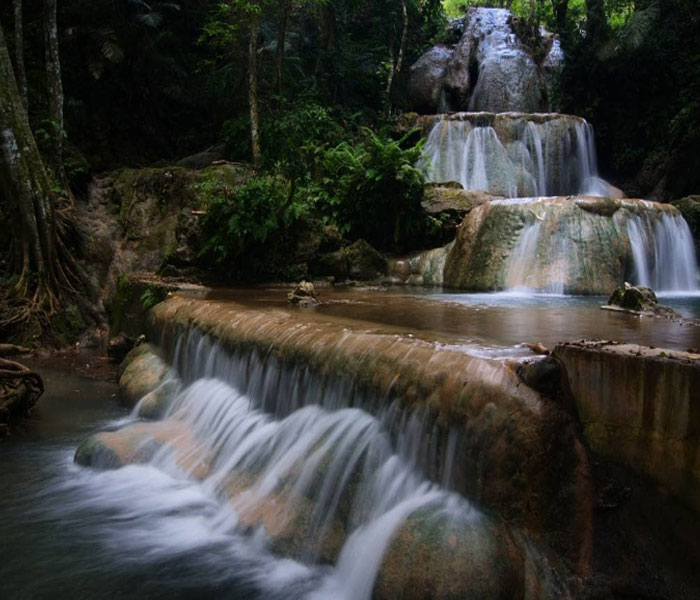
<point>690,209</point>
<point>133,299</point>
<point>637,298</point>
<point>359,261</point>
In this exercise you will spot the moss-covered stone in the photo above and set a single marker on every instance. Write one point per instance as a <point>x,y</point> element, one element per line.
<point>359,261</point>
<point>690,209</point>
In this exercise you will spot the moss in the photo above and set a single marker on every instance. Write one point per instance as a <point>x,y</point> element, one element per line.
<point>131,302</point>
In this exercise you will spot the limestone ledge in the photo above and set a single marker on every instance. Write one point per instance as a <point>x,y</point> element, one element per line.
<point>640,406</point>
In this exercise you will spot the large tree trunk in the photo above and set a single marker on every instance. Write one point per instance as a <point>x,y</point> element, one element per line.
<point>24,184</point>
<point>253,88</point>
<point>396,65</point>
<point>20,70</point>
<point>54,82</point>
<point>45,271</point>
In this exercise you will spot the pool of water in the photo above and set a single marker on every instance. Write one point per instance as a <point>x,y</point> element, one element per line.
<point>496,323</point>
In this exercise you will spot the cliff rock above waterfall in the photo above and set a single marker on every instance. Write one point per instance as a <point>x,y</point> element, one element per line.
<point>493,67</point>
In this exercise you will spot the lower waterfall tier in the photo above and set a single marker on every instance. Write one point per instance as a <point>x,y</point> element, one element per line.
<point>564,245</point>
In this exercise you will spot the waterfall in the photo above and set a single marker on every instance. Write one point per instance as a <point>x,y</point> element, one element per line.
<point>514,155</point>
<point>573,246</point>
<point>663,252</point>
<point>303,470</point>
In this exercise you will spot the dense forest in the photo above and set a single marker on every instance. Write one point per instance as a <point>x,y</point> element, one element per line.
<point>306,94</point>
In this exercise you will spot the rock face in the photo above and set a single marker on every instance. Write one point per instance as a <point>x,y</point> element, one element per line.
<point>639,406</point>
<point>562,245</point>
<point>489,69</point>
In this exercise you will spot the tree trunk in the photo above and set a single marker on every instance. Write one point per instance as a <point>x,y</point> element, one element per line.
<point>561,8</point>
<point>396,65</point>
<point>253,88</point>
<point>596,21</point>
<point>20,71</point>
<point>24,183</point>
<point>281,43</point>
<point>54,82</point>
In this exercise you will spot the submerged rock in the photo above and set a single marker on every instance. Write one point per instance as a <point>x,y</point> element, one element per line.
<point>137,443</point>
<point>639,300</point>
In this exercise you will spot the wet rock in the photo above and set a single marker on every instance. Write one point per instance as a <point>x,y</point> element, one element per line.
<point>639,406</point>
<point>426,76</point>
<point>118,346</point>
<point>543,375</point>
<point>639,300</point>
<point>518,452</point>
<point>138,443</point>
<point>424,268</point>
<point>157,403</point>
<point>144,372</point>
<point>491,68</point>
<point>304,294</point>
<point>433,556</point>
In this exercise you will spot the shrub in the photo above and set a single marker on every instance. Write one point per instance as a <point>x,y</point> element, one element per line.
<point>373,190</point>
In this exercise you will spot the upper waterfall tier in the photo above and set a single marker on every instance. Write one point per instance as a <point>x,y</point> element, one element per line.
<point>491,67</point>
<point>513,154</point>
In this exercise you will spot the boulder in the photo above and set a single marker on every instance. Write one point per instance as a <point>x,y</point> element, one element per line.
<point>138,443</point>
<point>145,370</point>
<point>436,554</point>
<point>426,77</point>
<point>304,294</point>
<point>639,300</point>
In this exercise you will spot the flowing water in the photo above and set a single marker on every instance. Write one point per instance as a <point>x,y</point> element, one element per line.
<point>276,444</point>
<point>515,156</point>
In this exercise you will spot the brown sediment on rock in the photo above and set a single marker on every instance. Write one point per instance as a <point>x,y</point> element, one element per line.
<point>641,407</point>
<point>138,443</point>
<point>518,452</point>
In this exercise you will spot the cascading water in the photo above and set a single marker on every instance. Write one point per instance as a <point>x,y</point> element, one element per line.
<point>663,252</point>
<point>514,155</point>
<point>298,470</point>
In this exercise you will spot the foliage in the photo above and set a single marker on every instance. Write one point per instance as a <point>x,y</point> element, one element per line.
<point>240,223</point>
<point>372,190</point>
